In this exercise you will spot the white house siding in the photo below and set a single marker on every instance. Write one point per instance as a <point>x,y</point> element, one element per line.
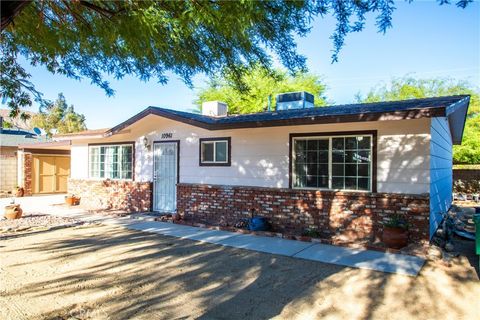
<point>260,156</point>
<point>440,171</point>
<point>79,161</point>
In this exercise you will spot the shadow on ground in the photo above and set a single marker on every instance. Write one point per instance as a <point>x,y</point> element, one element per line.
<point>115,273</point>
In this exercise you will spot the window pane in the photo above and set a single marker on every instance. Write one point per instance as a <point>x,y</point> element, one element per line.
<point>363,156</point>
<point>337,143</point>
<point>338,156</point>
<point>312,156</point>
<point>207,151</point>
<point>337,183</point>
<point>221,151</point>
<point>323,156</point>
<point>350,170</point>
<point>322,169</point>
<point>312,145</point>
<point>311,168</point>
<point>363,142</point>
<point>323,144</point>
<point>350,156</point>
<point>300,145</point>
<point>363,170</point>
<point>311,181</point>
<point>337,170</point>
<point>323,181</point>
<point>351,183</point>
<point>363,184</point>
<point>350,143</point>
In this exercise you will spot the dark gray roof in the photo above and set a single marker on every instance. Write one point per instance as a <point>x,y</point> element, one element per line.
<point>12,138</point>
<point>329,111</point>
<point>453,107</point>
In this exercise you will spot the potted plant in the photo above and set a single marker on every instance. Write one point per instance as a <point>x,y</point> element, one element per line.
<point>308,234</point>
<point>19,192</point>
<point>72,200</point>
<point>395,232</point>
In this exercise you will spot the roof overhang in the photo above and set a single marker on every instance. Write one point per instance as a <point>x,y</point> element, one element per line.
<point>454,108</point>
<point>47,147</point>
<point>457,115</point>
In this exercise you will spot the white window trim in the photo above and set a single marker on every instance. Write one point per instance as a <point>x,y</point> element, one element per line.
<point>90,177</point>
<point>214,142</point>
<point>329,138</point>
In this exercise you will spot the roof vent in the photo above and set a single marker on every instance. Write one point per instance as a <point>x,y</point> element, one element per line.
<point>214,109</point>
<point>295,100</point>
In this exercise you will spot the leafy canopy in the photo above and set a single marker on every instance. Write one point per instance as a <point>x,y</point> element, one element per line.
<point>151,39</point>
<point>410,88</point>
<point>59,116</point>
<point>262,84</point>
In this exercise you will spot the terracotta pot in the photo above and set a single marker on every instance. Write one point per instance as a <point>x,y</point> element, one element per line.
<point>19,192</point>
<point>72,201</point>
<point>13,212</point>
<point>396,238</point>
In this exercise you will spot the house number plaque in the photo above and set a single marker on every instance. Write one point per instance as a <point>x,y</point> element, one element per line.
<point>167,135</point>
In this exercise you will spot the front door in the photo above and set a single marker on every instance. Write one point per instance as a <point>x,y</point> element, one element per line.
<point>165,176</point>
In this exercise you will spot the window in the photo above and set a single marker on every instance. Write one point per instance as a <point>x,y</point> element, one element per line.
<point>111,161</point>
<point>332,162</point>
<point>215,152</point>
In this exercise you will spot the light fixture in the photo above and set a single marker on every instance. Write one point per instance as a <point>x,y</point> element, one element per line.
<point>145,143</point>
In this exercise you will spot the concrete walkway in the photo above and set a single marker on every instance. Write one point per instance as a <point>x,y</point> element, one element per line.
<point>357,258</point>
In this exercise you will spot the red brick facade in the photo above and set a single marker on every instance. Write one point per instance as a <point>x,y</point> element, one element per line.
<point>27,173</point>
<point>128,196</point>
<point>340,217</point>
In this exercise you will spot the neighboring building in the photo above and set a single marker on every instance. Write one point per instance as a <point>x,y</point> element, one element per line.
<point>9,141</point>
<point>341,170</point>
<point>31,161</point>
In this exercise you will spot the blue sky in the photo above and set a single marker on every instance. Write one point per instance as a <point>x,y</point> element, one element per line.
<point>427,40</point>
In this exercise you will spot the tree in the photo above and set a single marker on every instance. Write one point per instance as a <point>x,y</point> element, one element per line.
<point>410,88</point>
<point>59,116</point>
<point>149,39</point>
<point>261,84</point>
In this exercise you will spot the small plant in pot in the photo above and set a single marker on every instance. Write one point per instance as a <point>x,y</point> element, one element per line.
<point>395,232</point>
<point>309,233</point>
<point>72,200</point>
<point>19,192</point>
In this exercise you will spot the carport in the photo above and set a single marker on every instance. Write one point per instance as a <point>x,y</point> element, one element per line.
<point>44,168</point>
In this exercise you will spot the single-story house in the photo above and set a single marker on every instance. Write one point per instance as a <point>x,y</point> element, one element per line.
<point>342,170</point>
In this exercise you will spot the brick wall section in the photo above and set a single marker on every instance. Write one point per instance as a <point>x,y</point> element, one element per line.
<point>128,196</point>
<point>340,217</point>
<point>27,173</point>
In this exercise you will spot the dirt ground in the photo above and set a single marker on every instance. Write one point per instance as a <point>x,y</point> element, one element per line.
<point>106,272</point>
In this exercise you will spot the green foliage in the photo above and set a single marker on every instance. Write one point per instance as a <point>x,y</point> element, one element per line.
<point>469,151</point>
<point>6,124</point>
<point>410,88</point>
<point>261,83</point>
<point>150,39</point>
<point>58,115</point>
<point>396,221</point>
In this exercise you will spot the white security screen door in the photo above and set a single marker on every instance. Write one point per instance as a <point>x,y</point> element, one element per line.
<point>165,173</point>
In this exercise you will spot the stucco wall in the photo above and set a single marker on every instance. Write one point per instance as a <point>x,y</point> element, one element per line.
<point>440,171</point>
<point>260,156</point>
